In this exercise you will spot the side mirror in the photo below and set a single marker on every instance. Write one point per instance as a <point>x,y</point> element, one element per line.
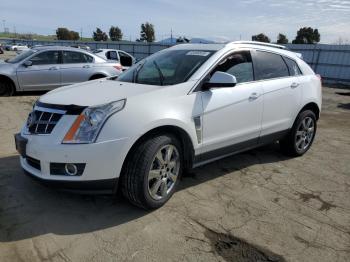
<point>28,63</point>
<point>220,79</point>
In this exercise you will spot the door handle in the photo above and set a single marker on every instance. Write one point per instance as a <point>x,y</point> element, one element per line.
<point>294,85</point>
<point>86,66</point>
<point>53,68</point>
<point>253,96</point>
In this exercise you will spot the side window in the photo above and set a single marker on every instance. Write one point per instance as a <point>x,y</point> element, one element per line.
<point>113,55</point>
<point>46,58</point>
<point>239,65</point>
<point>125,59</point>
<point>71,57</point>
<point>294,69</point>
<point>269,65</point>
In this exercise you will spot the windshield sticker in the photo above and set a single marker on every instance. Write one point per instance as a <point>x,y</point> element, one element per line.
<point>198,53</point>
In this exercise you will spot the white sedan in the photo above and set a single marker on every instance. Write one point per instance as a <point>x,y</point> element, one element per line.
<point>125,59</point>
<point>19,47</point>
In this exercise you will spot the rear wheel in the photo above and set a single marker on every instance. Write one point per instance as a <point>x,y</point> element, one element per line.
<point>94,77</point>
<point>302,135</point>
<point>152,172</point>
<point>6,88</point>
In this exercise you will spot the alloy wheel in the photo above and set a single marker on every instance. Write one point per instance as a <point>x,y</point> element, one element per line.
<point>305,134</point>
<point>163,172</point>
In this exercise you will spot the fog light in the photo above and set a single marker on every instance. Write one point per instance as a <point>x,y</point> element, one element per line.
<point>71,169</point>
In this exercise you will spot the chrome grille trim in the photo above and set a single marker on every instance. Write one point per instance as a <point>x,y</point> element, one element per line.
<point>45,120</point>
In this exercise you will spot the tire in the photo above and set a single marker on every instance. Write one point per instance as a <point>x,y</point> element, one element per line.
<point>301,136</point>
<point>6,88</point>
<point>144,178</point>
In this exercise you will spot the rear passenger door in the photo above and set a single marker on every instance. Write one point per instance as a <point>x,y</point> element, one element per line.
<point>125,60</point>
<point>76,67</point>
<point>281,92</point>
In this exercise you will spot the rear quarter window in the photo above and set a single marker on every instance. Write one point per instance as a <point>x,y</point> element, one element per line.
<point>293,67</point>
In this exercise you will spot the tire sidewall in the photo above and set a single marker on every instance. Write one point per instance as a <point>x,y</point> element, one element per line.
<point>165,140</point>
<point>6,89</point>
<point>301,117</point>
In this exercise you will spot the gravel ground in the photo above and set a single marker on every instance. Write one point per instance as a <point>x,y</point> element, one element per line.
<point>255,206</point>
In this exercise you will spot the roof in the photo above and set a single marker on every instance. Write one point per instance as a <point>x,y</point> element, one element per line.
<point>208,47</point>
<point>52,47</point>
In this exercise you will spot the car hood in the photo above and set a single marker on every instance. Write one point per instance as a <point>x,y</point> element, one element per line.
<point>95,92</point>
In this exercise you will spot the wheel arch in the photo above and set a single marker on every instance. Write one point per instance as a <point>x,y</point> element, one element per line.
<point>313,107</point>
<point>178,132</point>
<point>97,76</point>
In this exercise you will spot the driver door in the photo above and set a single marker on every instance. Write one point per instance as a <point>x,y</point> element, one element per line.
<point>232,116</point>
<point>43,74</point>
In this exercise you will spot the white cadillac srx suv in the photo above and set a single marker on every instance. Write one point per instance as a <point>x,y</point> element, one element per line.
<point>177,109</point>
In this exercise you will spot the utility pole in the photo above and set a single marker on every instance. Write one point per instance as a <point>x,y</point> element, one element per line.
<point>171,36</point>
<point>3,24</point>
<point>81,34</point>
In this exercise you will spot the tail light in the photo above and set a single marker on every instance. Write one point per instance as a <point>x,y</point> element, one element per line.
<point>118,67</point>
<point>320,78</point>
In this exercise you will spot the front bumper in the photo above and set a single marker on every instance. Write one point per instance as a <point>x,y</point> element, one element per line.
<point>103,162</point>
<point>105,186</point>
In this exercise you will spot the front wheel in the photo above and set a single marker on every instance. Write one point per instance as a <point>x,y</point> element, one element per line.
<point>152,172</point>
<point>301,136</point>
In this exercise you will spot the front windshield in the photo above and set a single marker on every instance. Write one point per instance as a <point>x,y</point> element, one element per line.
<point>21,56</point>
<point>168,67</point>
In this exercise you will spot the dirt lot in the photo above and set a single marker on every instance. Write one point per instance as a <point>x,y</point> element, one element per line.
<point>7,54</point>
<point>253,206</point>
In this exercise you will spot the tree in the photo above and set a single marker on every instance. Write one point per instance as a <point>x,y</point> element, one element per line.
<point>282,39</point>
<point>307,35</point>
<point>261,38</point>
<point>63,33</point>
<point>99,35</point>
<point>115,33</point>
<point>147,33</point>
<point>74,35</point>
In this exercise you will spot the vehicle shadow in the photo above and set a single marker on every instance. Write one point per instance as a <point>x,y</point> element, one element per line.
<point>30,93</point>
<point>28,209</point>
<point>344,106</point>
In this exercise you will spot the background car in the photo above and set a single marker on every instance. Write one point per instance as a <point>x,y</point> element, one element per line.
<point>18,47</point>
<point>85,47</point>
<point>125,59</point>
<point>49,67</point>
<point>1,50</point>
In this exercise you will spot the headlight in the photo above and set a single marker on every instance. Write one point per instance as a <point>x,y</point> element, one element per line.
<point>88,124</point>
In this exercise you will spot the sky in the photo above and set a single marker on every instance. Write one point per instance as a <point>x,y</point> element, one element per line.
<point>219,20</point>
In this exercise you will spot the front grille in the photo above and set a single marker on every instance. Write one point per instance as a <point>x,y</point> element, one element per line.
<point>43,122</point>
<point>35,163</point>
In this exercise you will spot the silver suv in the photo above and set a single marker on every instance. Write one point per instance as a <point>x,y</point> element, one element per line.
<point>49,67</point>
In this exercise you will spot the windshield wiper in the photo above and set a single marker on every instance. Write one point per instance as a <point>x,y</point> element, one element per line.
<point>161,77</point>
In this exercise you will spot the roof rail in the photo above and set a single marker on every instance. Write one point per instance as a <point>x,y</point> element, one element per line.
<point>258,43</point>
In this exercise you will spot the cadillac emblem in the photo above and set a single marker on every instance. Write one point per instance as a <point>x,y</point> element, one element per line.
<point>31,120</point>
